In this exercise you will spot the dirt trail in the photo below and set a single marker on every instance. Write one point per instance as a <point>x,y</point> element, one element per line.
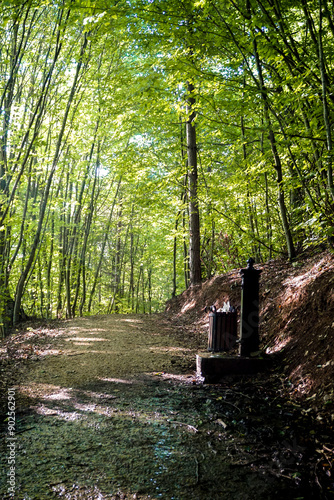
<point>90,349</point>
<point>109,408</point>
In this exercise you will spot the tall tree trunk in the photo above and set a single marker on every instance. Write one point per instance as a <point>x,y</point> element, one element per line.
<point>268,218</point>
<point>133,252</point>
<point>276,156</point>
<point>194,221</point>
<point>82,260</point>
<point>185,252</point>
<point>184,200</point>
<point>254,248</point>
<point>138,286</point>
<point>325,106</point>
<point>69,250</point>
<point>48,270</point>
<point>117,263</point>
<point>149,282</point>
<point>174,256</point>
<point>107,230</point>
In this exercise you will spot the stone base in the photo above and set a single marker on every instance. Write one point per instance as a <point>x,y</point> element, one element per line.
<point>212,367</point>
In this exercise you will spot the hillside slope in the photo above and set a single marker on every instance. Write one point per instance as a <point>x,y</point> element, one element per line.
<point>296,319</point>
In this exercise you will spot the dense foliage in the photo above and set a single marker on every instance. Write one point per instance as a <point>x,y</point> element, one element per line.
<point>97,101</point>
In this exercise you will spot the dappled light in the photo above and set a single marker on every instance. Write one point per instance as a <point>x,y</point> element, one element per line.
<point>62,394</point>
<point>118,380</point>
<point>135,418</point>
<point>87,331</point>
<point>149,151</point>
<point>295,286</point>
<point>35,389</point>
<point>177,350</point>
<point>188,306</point>
<point>302,384</point>
<point>190,379</point>
<point>160,437</point>
<point>131,320</point>
<point>278,345</point>
<point>45,410</point>
<point>87,339</point>
<point>48,352</point>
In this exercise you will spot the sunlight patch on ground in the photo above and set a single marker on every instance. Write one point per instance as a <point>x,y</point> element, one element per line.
<point>44,410</point>
<point>302,383</point>
<point>85,407</point>
<point>87,339</point>
<point>81,492</point>
<point>188,305</point>
<point>109,411</point>
<point>101,352</point>
<point>48,352</point>
<point>61,394</point>
<point>117,380</point>
<point>295,285</point>
<point>35,389</point>
<point>128,320</point>
<point>57,412</point>
<point>185,378</point>
<point>87,331</point>
<point>278,345</point>
<point>180,350</point>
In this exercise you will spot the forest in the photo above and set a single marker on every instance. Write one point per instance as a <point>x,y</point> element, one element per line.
<point>147,145</point>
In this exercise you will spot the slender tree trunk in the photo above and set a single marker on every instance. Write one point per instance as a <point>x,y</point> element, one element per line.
<point>107,230</point>
<point>149,281</point>
<point>40,283</point>
<point>212,248</point>
<point>194,221</point>
<point>69,249</point>
<point>117,264</point>
<point>143,292</point>
<point>138,287</point>
<point>185,252</point>
<point>184,200</point>
<point>82,260</point>
<point>325,106</point>
<point>175,253</point>
<point>62,262</point>
<point>277,159</point>
<point>48,272</point>
<point>174,260</point>
<point>132,265</point>
<point>249,203</point>
<point>268,217</point>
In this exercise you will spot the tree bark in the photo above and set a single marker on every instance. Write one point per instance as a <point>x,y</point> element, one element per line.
<point>277,159</point>
<point>194,220</point>
<point>325,106</point>
<point>97,272</point>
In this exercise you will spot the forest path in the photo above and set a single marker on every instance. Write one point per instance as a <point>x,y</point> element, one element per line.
<point>92,348</point>
<point>107,409</point>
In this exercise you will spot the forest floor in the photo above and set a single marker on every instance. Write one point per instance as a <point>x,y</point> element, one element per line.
<point>109,407</point>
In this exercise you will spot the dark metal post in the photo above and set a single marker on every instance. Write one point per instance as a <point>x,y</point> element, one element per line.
<point>249,322</point>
